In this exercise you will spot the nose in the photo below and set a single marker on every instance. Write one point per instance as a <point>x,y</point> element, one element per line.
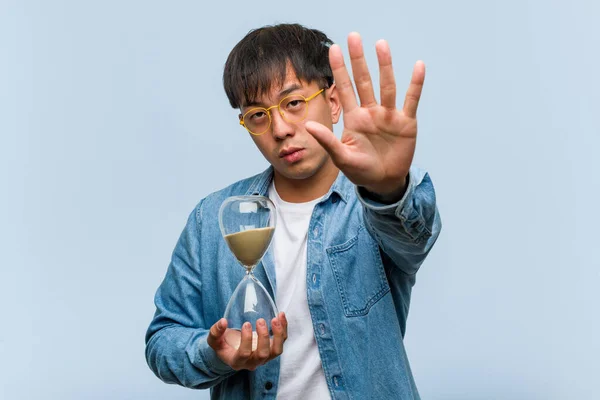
<point>280,127</point>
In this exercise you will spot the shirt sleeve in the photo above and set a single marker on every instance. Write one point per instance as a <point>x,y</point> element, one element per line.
<point>407,230</point>
<point>176,347</point>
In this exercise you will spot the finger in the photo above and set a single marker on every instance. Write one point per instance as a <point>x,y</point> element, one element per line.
<point>360,71</point>
<point>245,350</point>
<point>387,82</point>
<point>342,79</point>
<point>278,338</point>
<point>284,325</point>
<point>329,141</point>
<point>216,332</point>
<point>263,349</point>
<point>413,94</point>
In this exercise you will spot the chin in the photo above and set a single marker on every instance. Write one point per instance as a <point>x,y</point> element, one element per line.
<point>297,171</point>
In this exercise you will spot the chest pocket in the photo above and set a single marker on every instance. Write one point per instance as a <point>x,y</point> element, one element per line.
<point>359,273</point>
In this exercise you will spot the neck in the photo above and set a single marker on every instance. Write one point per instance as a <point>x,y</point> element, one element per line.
<point>311,188</point>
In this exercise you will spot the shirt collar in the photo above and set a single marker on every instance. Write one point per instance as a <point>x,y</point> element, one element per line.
<point>341,186</point>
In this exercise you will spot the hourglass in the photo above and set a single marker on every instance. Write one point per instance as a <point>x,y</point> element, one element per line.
<point>247,224</point>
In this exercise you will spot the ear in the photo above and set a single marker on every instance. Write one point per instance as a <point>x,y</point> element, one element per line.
<point>335,105</point>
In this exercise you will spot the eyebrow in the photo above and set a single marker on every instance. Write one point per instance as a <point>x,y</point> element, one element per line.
<point>293,87</point>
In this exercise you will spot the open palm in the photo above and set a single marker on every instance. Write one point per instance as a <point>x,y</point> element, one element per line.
<point>378,140</point>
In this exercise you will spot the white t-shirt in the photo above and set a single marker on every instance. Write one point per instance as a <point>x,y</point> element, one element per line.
<point>301,372</point>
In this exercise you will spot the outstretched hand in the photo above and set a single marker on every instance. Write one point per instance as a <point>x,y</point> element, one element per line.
<point>250,352</point>
<point>378,140</point>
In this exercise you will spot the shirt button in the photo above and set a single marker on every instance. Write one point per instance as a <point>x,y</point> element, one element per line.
<point>269,385</point>
<point>322,327</point>
<point>335,381</point>
<point>314,278</point>
<point>334,200</point>
<point>316,231</point>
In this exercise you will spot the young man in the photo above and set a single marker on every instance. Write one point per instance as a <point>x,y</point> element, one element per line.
<point>355,222</point>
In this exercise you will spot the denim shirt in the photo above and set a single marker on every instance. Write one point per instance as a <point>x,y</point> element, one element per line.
<point>362,258</point>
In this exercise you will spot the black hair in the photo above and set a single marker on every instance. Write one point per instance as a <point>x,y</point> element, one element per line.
<point>261,59</point>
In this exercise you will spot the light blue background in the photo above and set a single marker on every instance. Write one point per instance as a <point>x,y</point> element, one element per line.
<point>114,124</point>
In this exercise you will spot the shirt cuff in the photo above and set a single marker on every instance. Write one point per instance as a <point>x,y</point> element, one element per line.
<point>372,204</point>
<point>205,358</point>
<point>407,209</point>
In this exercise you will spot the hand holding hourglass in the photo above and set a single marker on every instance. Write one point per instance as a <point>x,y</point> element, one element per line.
<point>251,332</point>
<point>245,357</point>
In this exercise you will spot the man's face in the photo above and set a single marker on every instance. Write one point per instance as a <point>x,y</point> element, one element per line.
<point>288,147</point>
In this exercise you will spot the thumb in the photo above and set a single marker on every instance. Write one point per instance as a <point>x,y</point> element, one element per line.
<point>327,139</point>
<point>216,332</point>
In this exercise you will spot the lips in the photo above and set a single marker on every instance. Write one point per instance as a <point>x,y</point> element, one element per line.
<point>292,155</point>
<point>290,150</point>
